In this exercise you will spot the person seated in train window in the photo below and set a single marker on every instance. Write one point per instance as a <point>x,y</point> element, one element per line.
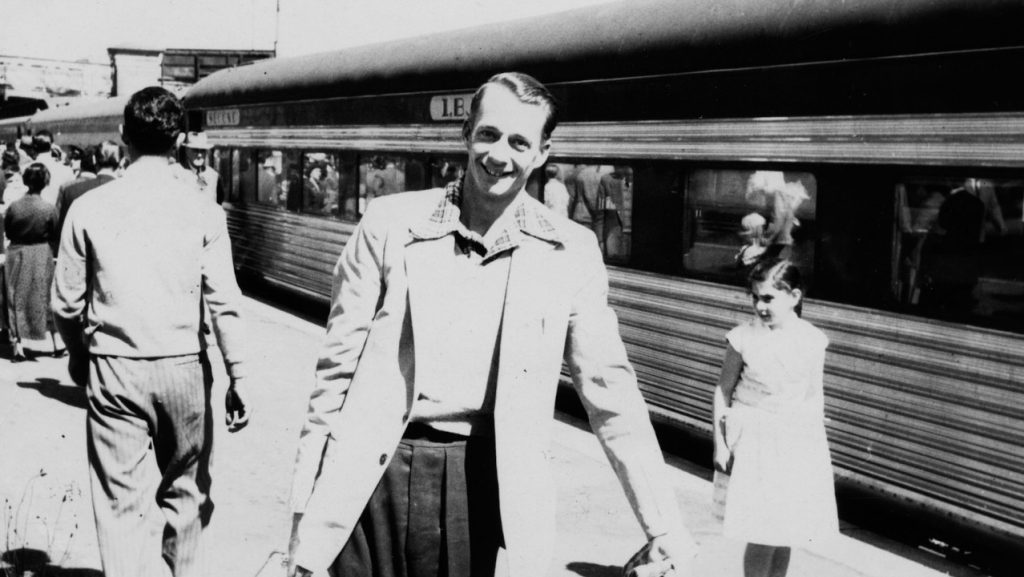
<point>918,213</point>
<point>615,195</point>
<point>313,190</point>
<point>769,190</point>
<point>755,242</point>
<point>267,185</point>
<point>193,150</point>
<point>556,195</point>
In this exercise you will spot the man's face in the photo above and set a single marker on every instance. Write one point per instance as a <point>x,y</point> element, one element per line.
<point>504,144</point>
<point>196,157</point>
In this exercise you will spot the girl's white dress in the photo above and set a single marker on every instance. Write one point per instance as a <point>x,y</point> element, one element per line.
<point>781,489</point>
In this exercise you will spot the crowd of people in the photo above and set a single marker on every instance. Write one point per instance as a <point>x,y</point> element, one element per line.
<point>423,450</point>
<point>40,181</point>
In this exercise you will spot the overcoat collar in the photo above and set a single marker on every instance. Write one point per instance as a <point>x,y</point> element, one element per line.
<point>527,218</point>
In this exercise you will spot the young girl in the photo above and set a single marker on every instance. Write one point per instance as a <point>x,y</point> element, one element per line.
<point>769,426</point>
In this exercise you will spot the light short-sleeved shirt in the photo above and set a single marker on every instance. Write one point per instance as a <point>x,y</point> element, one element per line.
<point>782,367</point>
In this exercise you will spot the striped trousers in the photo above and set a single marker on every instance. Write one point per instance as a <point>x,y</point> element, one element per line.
<point>150,434</point>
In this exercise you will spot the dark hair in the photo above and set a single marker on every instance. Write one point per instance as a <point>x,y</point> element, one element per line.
<point>108,155</point>
<point>152,120</point>
<point>88,158</point>
<point>42,141</point>
<point>781,274</point>
<point>527,89</point>
<point>36,177</point>
<point>10,161</point>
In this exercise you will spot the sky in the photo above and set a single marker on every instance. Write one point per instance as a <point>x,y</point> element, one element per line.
<point>79,30</point>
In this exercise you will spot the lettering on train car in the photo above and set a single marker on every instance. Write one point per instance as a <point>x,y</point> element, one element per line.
<point>227,117</point>
<point>450,106</point>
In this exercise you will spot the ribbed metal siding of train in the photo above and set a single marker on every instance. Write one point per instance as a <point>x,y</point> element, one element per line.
<point>286,248</point>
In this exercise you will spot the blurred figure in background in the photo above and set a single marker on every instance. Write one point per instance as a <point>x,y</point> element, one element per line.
<point>30,224</point>
<point>556,195</point>
<point>109,157</point>
<point>193,153</point>
<point>42,143</point>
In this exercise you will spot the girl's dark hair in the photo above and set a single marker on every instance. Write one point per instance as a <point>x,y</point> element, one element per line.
<point>36,177</point>
<point>781,274</point>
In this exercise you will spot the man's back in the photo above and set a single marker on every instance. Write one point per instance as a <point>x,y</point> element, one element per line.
<point>71,192</point>
<point>147,234</point>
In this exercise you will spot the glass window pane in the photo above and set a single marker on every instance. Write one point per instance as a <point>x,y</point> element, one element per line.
<point>602,199</point>
<point>381,175</point>
<point>960,247</point>
<point>741,216</point>
<point>328,186</point>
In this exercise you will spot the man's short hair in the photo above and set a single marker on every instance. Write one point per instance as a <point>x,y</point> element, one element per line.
<point>42,141</point>
<point>108,155</point>
<point>152,120</point>
<point>527,89</point>
<point>36,176</point>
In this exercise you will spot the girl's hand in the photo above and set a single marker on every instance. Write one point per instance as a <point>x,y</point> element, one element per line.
<point>723,459</point>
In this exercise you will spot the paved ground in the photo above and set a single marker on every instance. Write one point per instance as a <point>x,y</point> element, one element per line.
<point>46,508</point>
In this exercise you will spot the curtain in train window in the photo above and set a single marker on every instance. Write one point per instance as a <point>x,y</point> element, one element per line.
<point>601,198</point>
<point>959,248</point>
<point>738,217</point>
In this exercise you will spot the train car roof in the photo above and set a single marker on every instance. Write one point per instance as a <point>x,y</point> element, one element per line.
<point>82,110</point>
<point>627,39</point>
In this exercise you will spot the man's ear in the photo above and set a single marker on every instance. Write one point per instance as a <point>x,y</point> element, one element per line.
<point>542,156</point>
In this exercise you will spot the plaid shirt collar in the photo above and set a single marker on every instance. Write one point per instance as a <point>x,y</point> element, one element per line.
<point>527,220</point>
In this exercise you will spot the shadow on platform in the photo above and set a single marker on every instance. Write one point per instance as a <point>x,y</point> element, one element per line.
<point>18,562</point>
<point>585,569</point>
<point>51,388</point>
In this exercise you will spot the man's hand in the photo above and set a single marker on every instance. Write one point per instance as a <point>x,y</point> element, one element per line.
<point>236,408</point>
<point>677,548</point>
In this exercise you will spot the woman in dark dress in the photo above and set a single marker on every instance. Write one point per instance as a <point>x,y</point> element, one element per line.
<point>31,225</point>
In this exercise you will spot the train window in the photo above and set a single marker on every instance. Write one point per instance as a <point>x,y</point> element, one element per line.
<point>328,184</point>
<point>220,160</point>
<point>601,198</point>
<point>243,185</point>
<point>445,170</point>
<point>738,216</point>
<point>381,175</point>
<point>958,245</point>
<point>269,184</point>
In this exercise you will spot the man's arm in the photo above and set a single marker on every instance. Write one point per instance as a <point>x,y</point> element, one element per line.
<point>69,297</point>
<point>224,298</point>
<point>607,385</point>
<point>355,293</point>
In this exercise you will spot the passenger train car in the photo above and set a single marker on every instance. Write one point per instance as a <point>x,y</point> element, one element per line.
<point>881,145</point>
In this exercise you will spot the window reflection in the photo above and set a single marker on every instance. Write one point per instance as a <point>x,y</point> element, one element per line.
<point>601,198</point>
<point>959,247</point>
<point>739,217</point>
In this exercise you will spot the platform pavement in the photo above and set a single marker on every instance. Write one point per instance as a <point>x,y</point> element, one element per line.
<point>46,506</point>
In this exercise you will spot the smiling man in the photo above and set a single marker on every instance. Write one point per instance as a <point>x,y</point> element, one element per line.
<point>426,443</point>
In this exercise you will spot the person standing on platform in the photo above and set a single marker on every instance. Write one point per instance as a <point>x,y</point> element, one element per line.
<point>194,162</point>
<point>60,173</point>
<point>769,422</point>
<point>30,224</point>
<point>135,258</point>
<point>108,157</point>
<point>425,448</point>
<point>556,195</point>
